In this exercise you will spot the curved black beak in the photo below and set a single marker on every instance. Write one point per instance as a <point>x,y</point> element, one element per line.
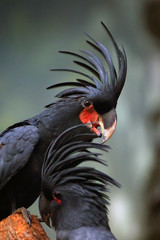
<point>44,208</point>
<point>108,122</point>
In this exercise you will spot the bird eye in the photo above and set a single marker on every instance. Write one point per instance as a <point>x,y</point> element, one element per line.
<point>86,103</point>
<point>57,195</point>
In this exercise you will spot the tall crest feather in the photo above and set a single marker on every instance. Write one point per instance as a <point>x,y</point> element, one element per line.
<point>62,160</point>
<point>104,83</point>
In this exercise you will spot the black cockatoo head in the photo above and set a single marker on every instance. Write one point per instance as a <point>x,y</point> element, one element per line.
<point>74,196</point>
<point>99,94</point>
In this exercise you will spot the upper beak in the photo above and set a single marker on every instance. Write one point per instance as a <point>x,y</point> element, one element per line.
<point>108,122</point>
<point>44,207</point>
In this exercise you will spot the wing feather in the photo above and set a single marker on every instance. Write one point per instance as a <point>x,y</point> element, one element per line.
<point>16,147</point>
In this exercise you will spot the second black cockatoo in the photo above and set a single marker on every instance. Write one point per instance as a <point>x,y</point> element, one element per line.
<point>74,197</point>
<point>23,145</point>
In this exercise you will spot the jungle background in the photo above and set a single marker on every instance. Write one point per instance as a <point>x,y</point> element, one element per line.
<point>32,32</point>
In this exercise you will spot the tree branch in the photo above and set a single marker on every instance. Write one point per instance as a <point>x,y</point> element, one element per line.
<point>15,227</point>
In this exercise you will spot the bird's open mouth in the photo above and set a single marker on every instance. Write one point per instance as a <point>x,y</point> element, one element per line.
<point>94,126</point>
<point>105,125</point>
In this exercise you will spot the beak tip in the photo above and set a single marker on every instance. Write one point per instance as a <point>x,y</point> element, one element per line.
<point>48,224</point>
<point>104,139</point>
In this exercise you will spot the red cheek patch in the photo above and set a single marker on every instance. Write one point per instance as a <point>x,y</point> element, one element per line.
<point>57,200</point>
<point>89,115</point>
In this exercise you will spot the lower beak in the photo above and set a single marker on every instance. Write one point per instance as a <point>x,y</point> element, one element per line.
<point>108,122</point>
<point>46,219</point>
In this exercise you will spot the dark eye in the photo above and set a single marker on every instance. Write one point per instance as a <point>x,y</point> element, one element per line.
<point>87,103</point>
<point>58,195</point>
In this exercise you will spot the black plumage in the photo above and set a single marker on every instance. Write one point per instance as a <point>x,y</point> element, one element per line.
<point>75,197</point>
<point>103,87</point>
<point>23,145</point>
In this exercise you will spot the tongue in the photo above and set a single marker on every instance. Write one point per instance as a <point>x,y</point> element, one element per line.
<point>96,131</point>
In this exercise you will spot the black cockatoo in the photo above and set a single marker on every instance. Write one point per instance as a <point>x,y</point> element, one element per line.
<point>23,145</point>
<point>74,197</point>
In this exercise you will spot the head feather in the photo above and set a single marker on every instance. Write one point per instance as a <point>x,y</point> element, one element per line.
<point>102,84</point>
<point>62,160</point>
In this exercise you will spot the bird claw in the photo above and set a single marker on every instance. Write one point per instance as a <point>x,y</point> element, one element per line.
<point>26,215</point>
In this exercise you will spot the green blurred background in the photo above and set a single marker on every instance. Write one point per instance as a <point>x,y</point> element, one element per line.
<point>32,32</point>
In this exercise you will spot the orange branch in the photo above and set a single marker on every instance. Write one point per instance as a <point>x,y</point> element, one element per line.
<point>15,227</point>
